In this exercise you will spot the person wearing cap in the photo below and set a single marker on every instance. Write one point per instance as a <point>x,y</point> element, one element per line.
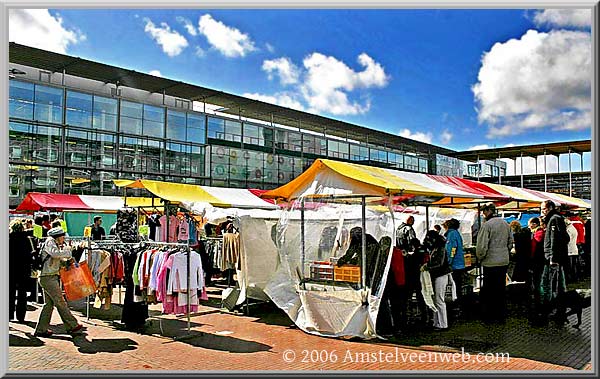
<point>494,242</point>
<point>54,253</point>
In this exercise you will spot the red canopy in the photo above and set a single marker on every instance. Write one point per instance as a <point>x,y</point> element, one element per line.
<point>35,201</point>
<point>471,186</point>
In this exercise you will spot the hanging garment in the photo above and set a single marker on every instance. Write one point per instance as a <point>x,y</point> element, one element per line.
<point>134,314</point>
<point>231,251</point>
<point>427,290</point>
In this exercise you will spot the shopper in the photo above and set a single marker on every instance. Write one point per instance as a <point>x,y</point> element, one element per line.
<point>536,268</point>
<point>522,246</point>
<point>440,271</point>
<point>98,232</point>
<point>405,234</point>
<point>494,242</point>
<point>54,253</point>
<point>456,257</point>
<point>573,252</point>
<point>556,242</point>
<point>19,272</point>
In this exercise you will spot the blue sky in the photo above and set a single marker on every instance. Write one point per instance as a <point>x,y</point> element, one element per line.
<point>455,78</point>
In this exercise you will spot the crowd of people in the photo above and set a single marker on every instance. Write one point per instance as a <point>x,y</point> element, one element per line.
<point>550,252</point>
<point>553,250</point>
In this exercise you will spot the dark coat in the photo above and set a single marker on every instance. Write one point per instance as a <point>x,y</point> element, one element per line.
<point>556,240</point>
<point>19,256</point>
<point>522,254</point>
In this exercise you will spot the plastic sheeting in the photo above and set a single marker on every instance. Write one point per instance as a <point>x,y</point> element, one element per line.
<point>328,308</point>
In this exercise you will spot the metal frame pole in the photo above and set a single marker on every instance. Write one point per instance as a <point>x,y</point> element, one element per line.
<point>364,241</point>
<point>302,234</point>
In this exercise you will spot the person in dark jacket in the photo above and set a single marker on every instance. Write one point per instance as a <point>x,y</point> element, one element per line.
<point>353,255</point>
<point>440,271</point>
<point>556,257</point>
<point>405,235</point>
<point>522,238</point>
<point>19,273</point>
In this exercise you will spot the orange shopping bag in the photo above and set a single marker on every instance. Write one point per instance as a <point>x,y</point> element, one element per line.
<point>77,281</point>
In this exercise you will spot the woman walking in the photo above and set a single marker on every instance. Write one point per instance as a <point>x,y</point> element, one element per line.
<point>54,252</point>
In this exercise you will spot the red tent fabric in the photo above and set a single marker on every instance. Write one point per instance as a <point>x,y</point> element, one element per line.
<point>471,186</point>
<point>258,192</point>
<point>35,201</point>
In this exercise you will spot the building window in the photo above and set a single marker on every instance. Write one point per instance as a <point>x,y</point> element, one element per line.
<point>154,121</point>
<point>359,153</point>
<point>423,165</point>
<point>105,113</point>
<point>196,128</point>
<point>216,128</point>
<point>131,117</point>
<point>411,163</point>
<point>314,145</point>
<point>48,104</point>
<point>233,131</point>
<point>378,155</point>
<point>21,99</point>
<point>176,125</point>
<point>79,109</point>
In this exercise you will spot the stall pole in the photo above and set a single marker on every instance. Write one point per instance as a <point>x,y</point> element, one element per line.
<point>167,214</point>
<point>189,310</point>
<point>364,240</point>
<point>427,218</point>
<point>302,233</point>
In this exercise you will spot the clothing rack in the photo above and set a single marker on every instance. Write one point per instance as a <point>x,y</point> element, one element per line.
<point>188,250</point>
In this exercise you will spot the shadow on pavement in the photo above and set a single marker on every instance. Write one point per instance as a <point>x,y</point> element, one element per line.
<point>30,341</point>
<point>561,345</point>
<point>109,345</point>
<point>224,343</point>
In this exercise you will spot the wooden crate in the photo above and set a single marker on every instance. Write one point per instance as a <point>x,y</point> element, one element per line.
<point>347,273</point>
<point>321,270</point>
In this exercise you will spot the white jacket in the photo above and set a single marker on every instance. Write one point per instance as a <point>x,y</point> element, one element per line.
<point>572,232</point>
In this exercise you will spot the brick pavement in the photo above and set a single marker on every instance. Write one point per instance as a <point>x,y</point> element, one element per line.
<point>220,341</point>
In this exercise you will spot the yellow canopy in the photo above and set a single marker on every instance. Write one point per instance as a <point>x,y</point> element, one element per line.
<point>174,192</point>
<point>328,177</point>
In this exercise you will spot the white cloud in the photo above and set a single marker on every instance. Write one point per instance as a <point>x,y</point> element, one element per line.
<point>328,80</point>
<point>446,137</point>
<point>479,147</point>
<point>418,136</point>
<point>38,28</point>
<point>270,48</point>
<point>199,52</point>
<point>228,40</point>
<point>564,17</point>
<point>281,99</point>
<point>188,25</point>
<point>155,73</point>
<point>542,80</point>
<point>171,41</point>
<point>287,71</point>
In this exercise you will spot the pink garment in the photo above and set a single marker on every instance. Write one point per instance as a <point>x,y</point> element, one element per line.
<point>173,225</point>
<point>161,290</point>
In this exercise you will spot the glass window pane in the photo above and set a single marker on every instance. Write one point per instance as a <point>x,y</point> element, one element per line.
<point>154,129</point>
<point>216,128</point>
<point>105,113</point>
<point>153,113</point>
<point>176,125</point>
<point>131,125</point>
<point>21,99</point>
<point>195,128</point>
<point>48,104</point>
<point>79,109</point>
<point>130,109</point>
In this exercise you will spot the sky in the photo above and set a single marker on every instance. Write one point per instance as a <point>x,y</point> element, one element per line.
<point>462,79</point>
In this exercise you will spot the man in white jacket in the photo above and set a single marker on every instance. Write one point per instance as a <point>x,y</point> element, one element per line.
<point>494,242</point>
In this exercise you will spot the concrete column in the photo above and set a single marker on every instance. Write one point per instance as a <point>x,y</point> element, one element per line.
<point>522,168</point>
<point>570,176</point>
<point>545,173</point>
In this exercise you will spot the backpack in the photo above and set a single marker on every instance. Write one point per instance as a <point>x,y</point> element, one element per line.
<point>36,255</point>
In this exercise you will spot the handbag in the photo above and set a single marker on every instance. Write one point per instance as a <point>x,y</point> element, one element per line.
<point>450,294</point>
<point>77,281</point>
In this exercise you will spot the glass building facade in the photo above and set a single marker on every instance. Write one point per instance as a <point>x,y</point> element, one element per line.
<point>67,140</point>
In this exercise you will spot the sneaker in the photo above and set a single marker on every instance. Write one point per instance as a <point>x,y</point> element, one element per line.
<point>47,333</point>
<point>76,329</point>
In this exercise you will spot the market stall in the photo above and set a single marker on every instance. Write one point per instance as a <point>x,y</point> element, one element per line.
<point>320,296</point>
